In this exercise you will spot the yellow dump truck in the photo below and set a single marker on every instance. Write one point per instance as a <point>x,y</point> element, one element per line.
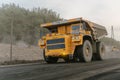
<point>73,40</point>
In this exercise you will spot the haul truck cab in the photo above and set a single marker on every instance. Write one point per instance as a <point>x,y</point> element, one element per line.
<point>73,40</point>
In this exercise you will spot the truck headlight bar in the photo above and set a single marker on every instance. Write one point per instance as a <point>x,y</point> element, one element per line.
<point>41,42</point>
<point>75,38</point>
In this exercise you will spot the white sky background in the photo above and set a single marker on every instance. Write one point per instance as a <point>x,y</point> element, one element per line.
<point>103,12</point>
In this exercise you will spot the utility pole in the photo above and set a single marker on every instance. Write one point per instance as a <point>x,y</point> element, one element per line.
<point>112,32</point>
<point>11,40</point>
<point>112,37</point>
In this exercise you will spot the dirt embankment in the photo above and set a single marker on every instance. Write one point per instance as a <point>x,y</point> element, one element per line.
<point>23,52</point>
<point>20,52</point>
<point>110,53</point>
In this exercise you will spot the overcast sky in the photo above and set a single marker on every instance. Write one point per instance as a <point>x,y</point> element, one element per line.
<point>104,12</point>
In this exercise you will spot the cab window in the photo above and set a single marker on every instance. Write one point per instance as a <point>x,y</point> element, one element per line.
<point>75,29</point>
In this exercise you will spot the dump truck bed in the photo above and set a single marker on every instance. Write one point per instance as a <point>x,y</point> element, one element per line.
<point>98,31</point>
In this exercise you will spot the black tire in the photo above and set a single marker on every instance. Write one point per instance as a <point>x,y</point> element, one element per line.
<point>67,60</point>
<point>49,59</point>
<point>85,51</point>
<point>100,55</point>
<point>76,57</point>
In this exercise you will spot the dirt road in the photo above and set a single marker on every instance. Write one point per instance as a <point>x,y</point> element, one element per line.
<point>108,69</point>
<point>62,71</point>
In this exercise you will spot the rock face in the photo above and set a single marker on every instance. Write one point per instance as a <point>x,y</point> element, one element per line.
<point>20,52</point>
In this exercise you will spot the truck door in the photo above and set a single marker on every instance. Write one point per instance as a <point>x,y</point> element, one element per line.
<point>85,30</point>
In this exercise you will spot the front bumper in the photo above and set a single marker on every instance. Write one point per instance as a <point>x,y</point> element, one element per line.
<point>57,53</point>
<point>58,46</point>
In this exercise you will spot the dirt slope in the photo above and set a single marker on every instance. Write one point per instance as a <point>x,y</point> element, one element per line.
<point>20,52</point>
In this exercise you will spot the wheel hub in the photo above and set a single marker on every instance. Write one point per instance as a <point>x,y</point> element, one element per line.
<point>87,51</point>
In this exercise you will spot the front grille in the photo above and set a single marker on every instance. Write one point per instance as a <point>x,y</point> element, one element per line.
<point>56,44</point>
<point>54,41</point>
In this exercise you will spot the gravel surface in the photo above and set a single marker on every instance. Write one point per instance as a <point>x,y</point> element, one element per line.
<point>59,71</point>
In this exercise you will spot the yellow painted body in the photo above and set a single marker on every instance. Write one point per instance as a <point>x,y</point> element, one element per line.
<point>70,44</point>
<point>59,52</point>
<point>67,36</point>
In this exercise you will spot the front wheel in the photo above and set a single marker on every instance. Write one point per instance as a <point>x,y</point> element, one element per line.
<point>49,59</point>
<point>85,51</point>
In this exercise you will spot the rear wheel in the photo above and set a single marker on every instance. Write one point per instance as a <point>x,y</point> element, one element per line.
<point>100,55</point>
<point>49,59</point>
<point>85,52</point>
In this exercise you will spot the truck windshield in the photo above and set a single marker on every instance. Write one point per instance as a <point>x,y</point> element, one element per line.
<point>75,29</point>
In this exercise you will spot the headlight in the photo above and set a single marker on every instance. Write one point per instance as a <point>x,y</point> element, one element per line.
<point>41,42</point>
<point>75,38</point>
